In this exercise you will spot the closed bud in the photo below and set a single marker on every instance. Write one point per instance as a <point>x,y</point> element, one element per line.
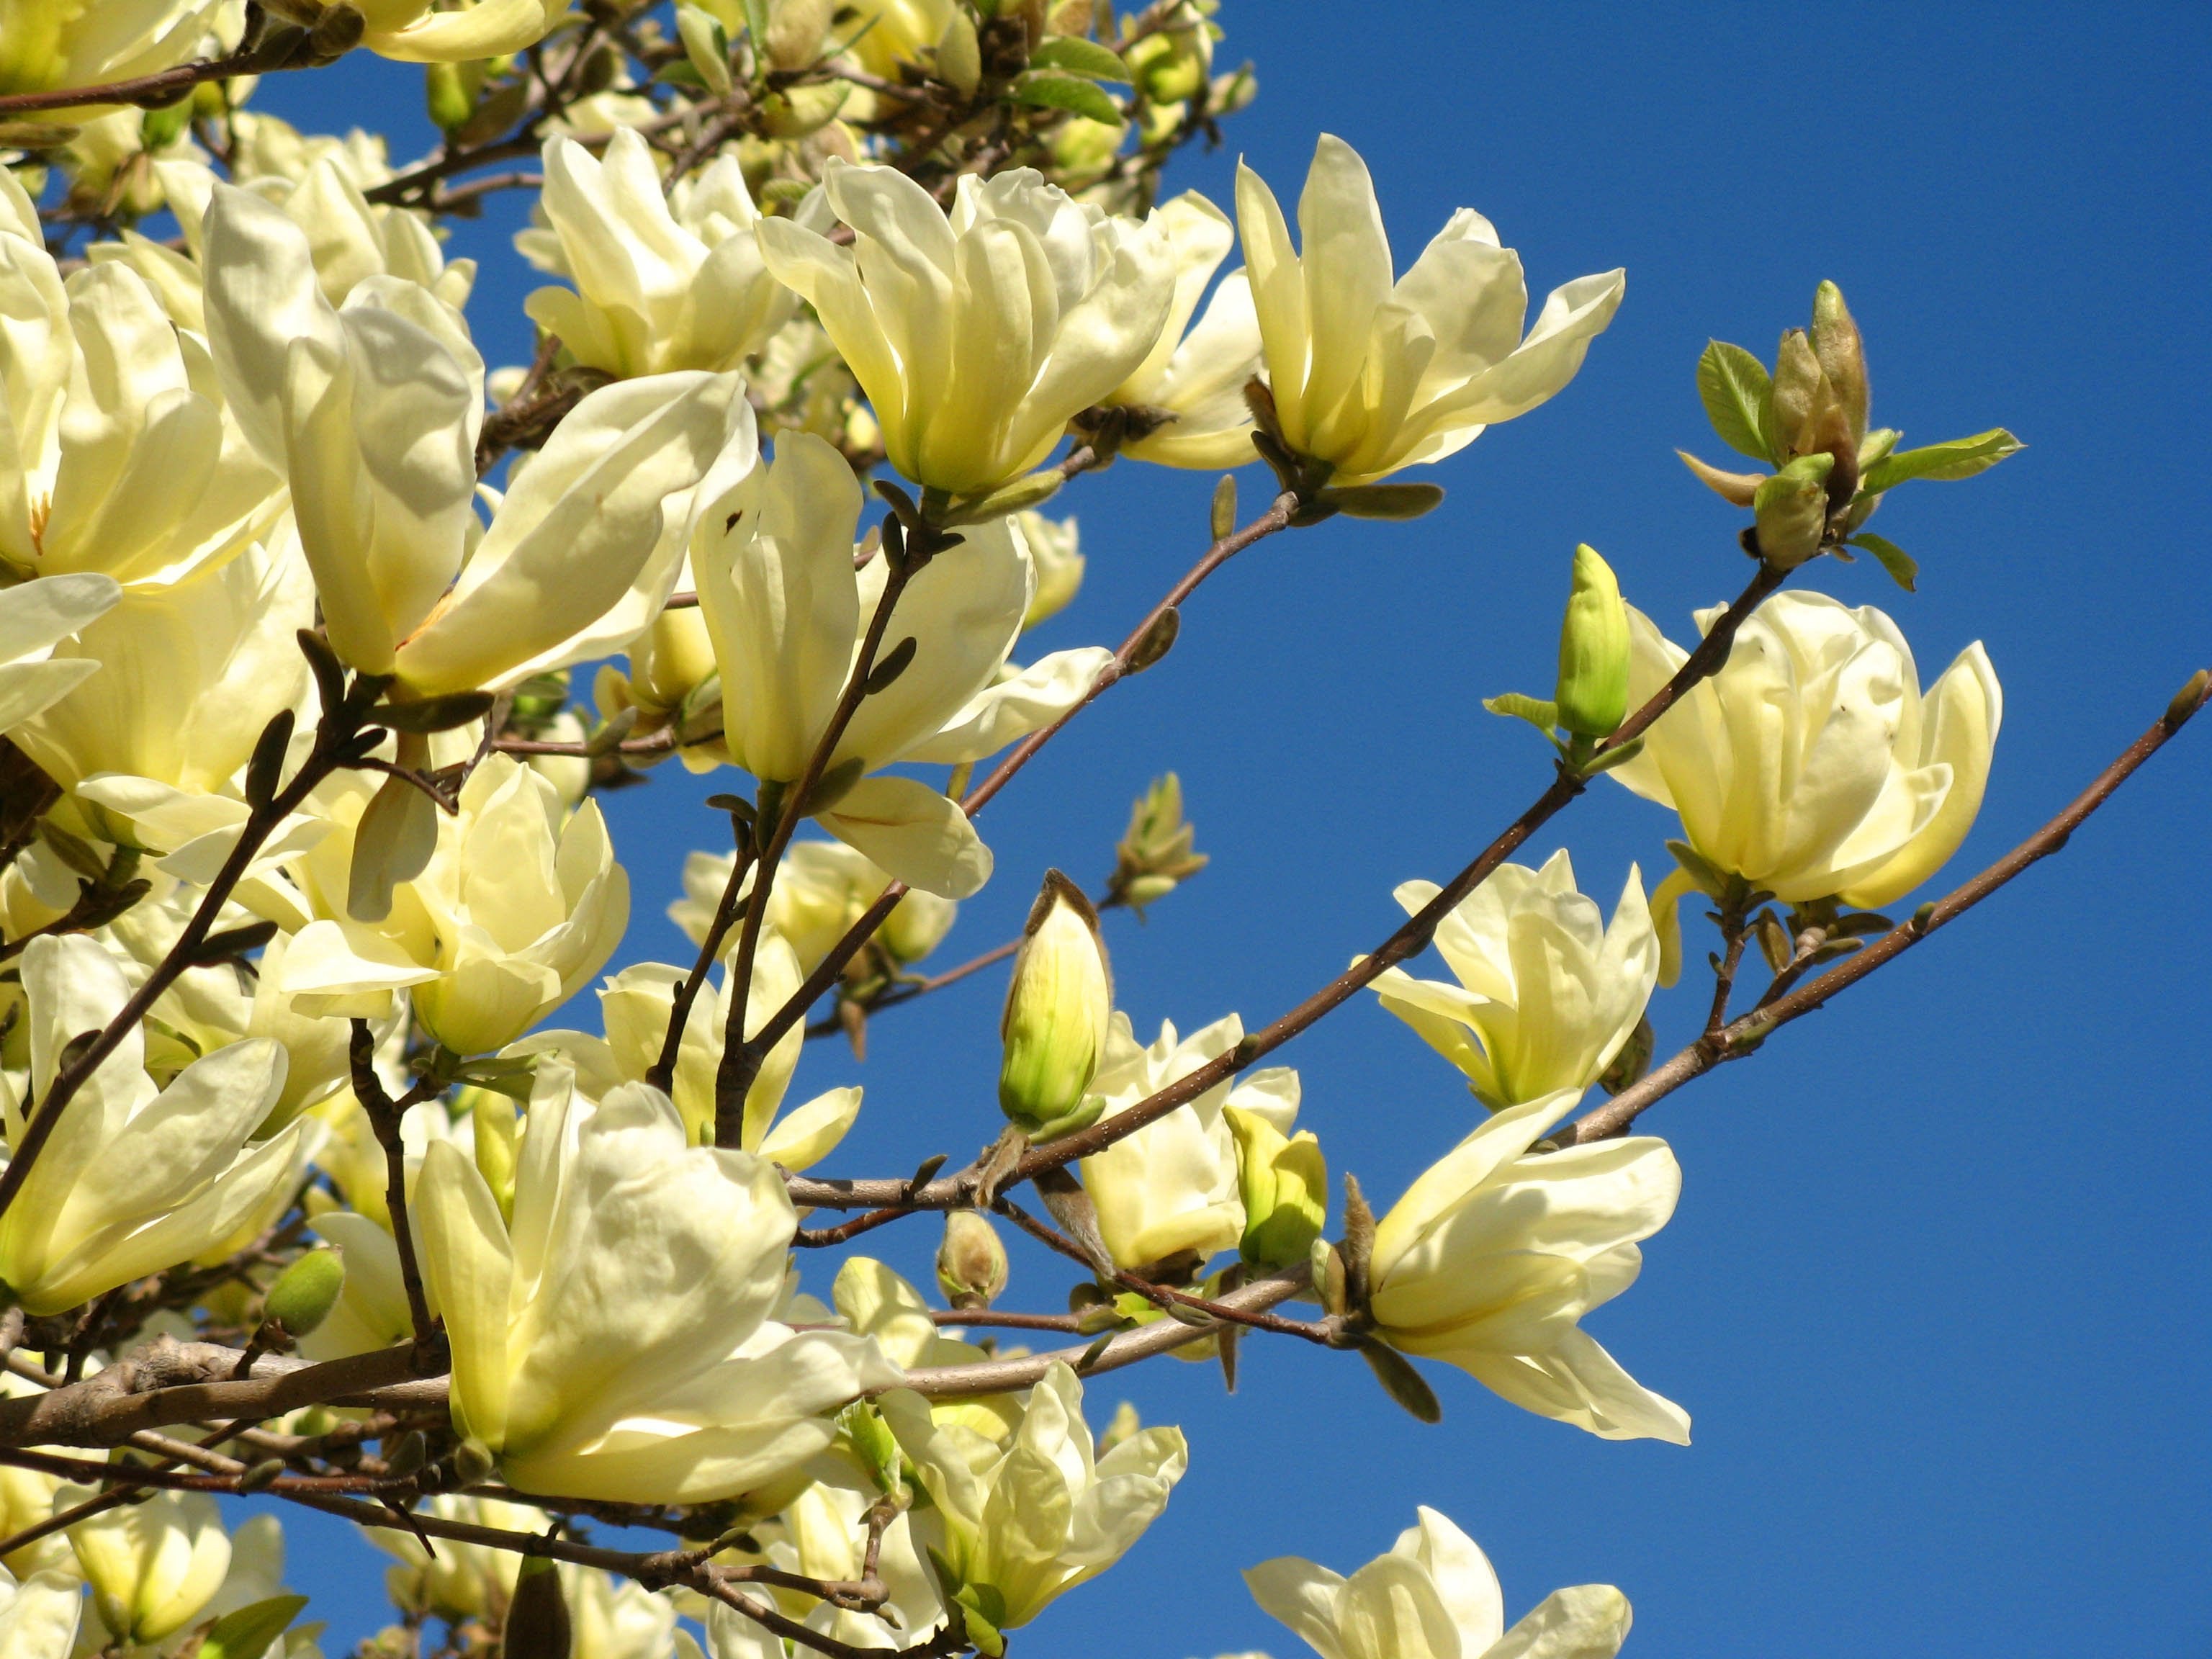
<point>447,95</point>
<point>305,1292</point>
<point>537,1618</point>
<point>1842,355</point>
<point>1796,388</point>
<point>492,1116</point>
<point>795,28</point>
<point>1172,63</point>
<point>1633,1060</point>
<point>797,110</point>
<point>472,1462</point>
<point>959,54</point>
<point>1593,691</point>
<point>1283,1183</point>
<point>707,47</point>
<point>1791,510</point>
<point>971,1262</point>
<point>1328,1276</point>
<point>1058,1007</point>
<point>1156,853</point>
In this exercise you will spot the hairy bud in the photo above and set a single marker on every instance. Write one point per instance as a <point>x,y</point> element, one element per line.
<point>305,1292</point>
<point>971,1262</point>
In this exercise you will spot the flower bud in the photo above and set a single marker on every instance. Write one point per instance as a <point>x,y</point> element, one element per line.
<point>1842,355</point>
<point>492,1116</point>
<point>795,112</point>
<point>971,1262</point>
<point>1593,691</point>
<point>959,53</point>
<point>1283,1183</point>
<point>1791,510</point>
<point>447,95</point>
<point>1156,853</point>
<point>305,1292</point>
<point>537,1617</point>
<point>1797,387</point>
<point>1058,1007</point>
<point>707,47</point>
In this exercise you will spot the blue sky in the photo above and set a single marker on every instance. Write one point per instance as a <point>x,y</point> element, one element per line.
<point>1937,1292</point>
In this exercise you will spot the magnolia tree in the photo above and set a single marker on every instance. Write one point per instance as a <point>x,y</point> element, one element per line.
<point>301,846</point>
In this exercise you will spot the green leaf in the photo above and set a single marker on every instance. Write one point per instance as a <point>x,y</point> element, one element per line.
<point>1514,705</point>
<point>1891,558</point>
<point>1945,463</point>
<point>247,1633</point>
<point>1080,57</point>
<point>1735,388</point>
<point>1401,1382</point>
<point>1068,91</point>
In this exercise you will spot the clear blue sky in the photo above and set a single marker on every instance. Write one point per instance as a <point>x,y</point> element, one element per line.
<point>1936,1293</point>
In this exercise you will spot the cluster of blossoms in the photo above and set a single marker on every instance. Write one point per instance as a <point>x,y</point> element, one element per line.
<point>299,846</point>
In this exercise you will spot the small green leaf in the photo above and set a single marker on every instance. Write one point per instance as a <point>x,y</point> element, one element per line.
<point>1514,705</point>
<point>1891,558</point>
<point>247,1633</point>
<point>1080,57</point>
<point>1735,387</point>
<point>1613,757</point>
<point>1070,93</point>
<point>1711,880</point>
<point>1945,463</point>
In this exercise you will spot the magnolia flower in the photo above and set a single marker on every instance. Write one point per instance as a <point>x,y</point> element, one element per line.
<point>154,1566</point>
<point>1434,1597</point>
<point>822,888</point>
<point>373,410</point>
<point>321,186</point>
<point>636,1004</point>
<point>1811,765</point>
<point>1493,1255</point>
<point>461,1580</point>
<point>115,455</point>
<point>1193,384</point>
<point>1055,550</point>
<point>821,1534</point>
<point>45,45</point>
<point>413,32</point>
<point>1170,1190</point>
<point>134,1179</point>
<point>1547,993</point>
<point>1019,1525</point>
<point>39,1615</point>
<point>36,618</point>
<point>1369,376</point>
<point>188,675</point>
<point>886,34</point>
<point>661,284</point>
<point>787,611</point>
<point>978,336</point>
<point>616,1342</point>
<point>516,911</point>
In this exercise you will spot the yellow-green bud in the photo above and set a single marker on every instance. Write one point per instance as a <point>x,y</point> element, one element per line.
<point>1172,63</point>
<point>305,1292</point>
<point>448,96</point>
<point>708,48</point>
<point>1593,689</point>
<point>795,28</point>
<point>1842,355</point>
<point>798,111</point>
<point>472,1462</point>
<point>971,1262</point>
<point>1796,388</point>
<point>1328,1263</point>
<point>1791,509</point>
<point>492,1114</point>
<point>960,54</point>
<point>1283,1183</point>
<point>1058,1007</point>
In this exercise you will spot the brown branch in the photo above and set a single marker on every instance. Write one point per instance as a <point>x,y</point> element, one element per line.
<point>1735,1040</point>
<point>662,1075</point>
<point>148,91</point>
<point>385,1115</point>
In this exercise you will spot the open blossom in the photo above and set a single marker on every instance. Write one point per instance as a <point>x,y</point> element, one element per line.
<point>1196,379</point>
<point>1812,765</point>
<point>50,44</point>
<point>786,612</point>
<point>154,1566</point>
<point>1494,1254</point>
<point>1022,1522</point>
<point>115,454</point>
<point>1171,1189</point>
<point>616,1342</point>
<point>135,1178</point>
<point>821,890</point>
<point>371,409</point>
<point>978,336</point>
<point>1435,1595</point>
<point>520,904</point>
<point>39,1613</point>
<point>1547,993</point>
<point>662,282</point>
<point>415,31</point>
<point>1370,375</point>
<point>38,616</point>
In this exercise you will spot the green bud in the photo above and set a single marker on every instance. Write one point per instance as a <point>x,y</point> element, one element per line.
<point>1156,854</point>
<point>472,1462</point>
<point>1058,1003</point>
<point>1842,355</point>
<point>537,1618</point>
<point>1797,387</point>
<point>795,112</point>
<point>447,95</point>
<point>708,48</point>
<point>872,1438</point>
<point>158,129</point>
<point>1791,510</point>
<point>305,1292</point>
<point>971,1262</point>
<point>1593,693</point>
<point>1328,1263</point>
<point>493,1116</point>
<point>959,53</point>
<point>1283,1183</point>
<point>1172,63</point>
